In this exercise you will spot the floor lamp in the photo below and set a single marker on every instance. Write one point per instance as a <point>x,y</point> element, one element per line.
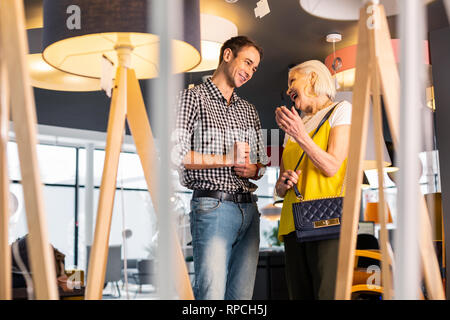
<point>15,88</point>
<point>376,72</point>
<point>119,30</point>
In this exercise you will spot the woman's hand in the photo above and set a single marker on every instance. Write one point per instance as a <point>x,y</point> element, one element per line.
<point>290,122</point>
<point>287,181</point>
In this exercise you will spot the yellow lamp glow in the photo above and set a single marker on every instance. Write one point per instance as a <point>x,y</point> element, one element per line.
<point>82,55</point>
<point>371,213</point>
<point>43,75</point>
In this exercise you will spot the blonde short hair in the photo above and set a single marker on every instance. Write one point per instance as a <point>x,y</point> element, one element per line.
<point>324,84</point>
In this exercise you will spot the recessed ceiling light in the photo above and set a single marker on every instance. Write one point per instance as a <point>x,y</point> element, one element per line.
<point>231,1</point>
<point>334,37</point>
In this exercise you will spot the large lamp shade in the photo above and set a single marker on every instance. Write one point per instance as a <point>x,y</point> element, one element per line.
<point>77,33</point>
<point>371,213</point>
<point>272,211</point>
<point>214,32</point>
<point>346,10</point>
<point>346,59</point>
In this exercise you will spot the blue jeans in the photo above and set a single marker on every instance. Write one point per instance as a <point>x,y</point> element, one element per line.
<point>225,240</point>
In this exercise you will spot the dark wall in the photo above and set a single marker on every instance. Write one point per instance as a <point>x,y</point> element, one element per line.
<point>440,59</point>
<point>77,110</point>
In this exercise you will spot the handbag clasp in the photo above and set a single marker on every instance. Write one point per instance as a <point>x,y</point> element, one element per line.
<point>326,223</point>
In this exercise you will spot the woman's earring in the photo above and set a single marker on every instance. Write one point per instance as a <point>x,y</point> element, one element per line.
<point>309,90</point>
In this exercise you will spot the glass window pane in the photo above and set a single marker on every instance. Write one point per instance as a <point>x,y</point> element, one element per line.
<point>56,164</point>
<point>129,172</point>
<point>266,185</point>
<point>99,156</point>
<point>177,185</point>
<point>59,211</point>
<point>140,218</point>
<point>13,161</point>
<point>17,220</point>
<point>430,180</point>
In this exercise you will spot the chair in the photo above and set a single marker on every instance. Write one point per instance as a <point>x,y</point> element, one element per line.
<point>145,274</point>
<point>368,261</point>
<point>131,270</point>
<point>113,266</point>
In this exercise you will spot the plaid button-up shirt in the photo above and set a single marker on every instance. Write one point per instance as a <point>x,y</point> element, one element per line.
<point>207,124</point>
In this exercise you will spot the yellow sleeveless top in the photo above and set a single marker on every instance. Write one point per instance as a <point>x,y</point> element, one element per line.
<point>312,184</point>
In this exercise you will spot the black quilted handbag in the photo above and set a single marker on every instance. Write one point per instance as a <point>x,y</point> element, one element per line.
<point>318,219</point>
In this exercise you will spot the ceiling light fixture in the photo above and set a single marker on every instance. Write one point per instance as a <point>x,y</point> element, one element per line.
<point>262,8</point>
<point>345,9</point>
<point>337,62</point>
<point>334,37</point>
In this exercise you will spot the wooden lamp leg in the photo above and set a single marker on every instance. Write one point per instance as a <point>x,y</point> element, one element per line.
<point>143,138</point>
<point>382,210</point>
<point>142,134</point>
<point>99,251</point>
<point>390,84</point>
<point>15,46</point>
<point>378,41</point>
<point>358,137</point>
<point>5,252</point>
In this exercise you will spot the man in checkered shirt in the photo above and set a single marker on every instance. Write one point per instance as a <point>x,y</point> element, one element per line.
<point>218,149</point>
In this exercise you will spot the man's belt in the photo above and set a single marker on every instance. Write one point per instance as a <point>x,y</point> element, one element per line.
<point>235,197</point>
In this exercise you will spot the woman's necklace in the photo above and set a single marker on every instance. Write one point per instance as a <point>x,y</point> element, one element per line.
<point>307,118</point>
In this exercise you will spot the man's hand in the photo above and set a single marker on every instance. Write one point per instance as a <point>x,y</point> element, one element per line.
<point>242,165</point>
<point>247,170</point>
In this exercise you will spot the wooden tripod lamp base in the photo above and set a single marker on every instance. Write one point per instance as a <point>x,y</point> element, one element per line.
<point>376,73</point>
<point>127,103</point>
<point>134,30</point>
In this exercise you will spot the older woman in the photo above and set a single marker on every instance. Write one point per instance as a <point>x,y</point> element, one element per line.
<point>311,266</point>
